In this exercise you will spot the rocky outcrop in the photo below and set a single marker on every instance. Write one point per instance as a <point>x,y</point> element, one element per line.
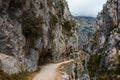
<point>80,72</point>
<point>7,63</point>
<point>33,32</point>
<point>105,42</point>
<point>86,29</point>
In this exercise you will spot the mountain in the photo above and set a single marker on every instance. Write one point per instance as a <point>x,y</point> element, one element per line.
<point>86,28</point>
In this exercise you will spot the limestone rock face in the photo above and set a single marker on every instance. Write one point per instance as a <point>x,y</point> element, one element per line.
<point>33,32</point>
<point>106,40</point>
<point>8,62</point>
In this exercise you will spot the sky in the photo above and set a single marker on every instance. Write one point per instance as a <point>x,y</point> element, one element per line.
<point>85,7</point>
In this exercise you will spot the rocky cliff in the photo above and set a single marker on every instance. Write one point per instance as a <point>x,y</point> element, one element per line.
<point>35,32</point>
<point>105,44</point>
<point>86,29</point>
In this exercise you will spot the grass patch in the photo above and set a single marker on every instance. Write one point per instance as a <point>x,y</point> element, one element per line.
<point>20,76</point>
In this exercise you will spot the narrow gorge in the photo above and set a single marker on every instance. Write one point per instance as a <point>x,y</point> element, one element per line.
<point>42,40</point>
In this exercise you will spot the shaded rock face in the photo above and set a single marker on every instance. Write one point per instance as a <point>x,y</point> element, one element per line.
<point>86,29</point>
<point>33,32</point>
<point>106,40</point>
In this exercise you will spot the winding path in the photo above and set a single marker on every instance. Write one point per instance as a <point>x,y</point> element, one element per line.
<point>50,71</point>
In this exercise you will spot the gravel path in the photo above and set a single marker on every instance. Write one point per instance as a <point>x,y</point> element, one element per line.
<point>50,71</point>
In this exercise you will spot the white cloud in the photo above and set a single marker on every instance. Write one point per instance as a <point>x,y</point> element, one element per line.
<point>85,7</point>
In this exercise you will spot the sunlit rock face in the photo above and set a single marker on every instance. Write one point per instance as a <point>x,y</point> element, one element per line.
<point>106,40</point>
<point>86,29</point>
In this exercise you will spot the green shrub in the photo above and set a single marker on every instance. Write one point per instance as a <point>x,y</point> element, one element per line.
<point>112,27</point>
<point>118,70</point>
<point>16,4</point>
<point>111,72</point>
<point>53,20</point>
<point>104,78</point>
<point>94,64</point>
<point>68,25</point>
<point>31,24</point>
<point>94,60</point>
<point>119,58</point>
<point>60,7</point>
<point>115,71</point>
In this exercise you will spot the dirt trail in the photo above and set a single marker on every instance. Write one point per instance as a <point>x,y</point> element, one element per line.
<point>2,56</point>
<point>50,71</point>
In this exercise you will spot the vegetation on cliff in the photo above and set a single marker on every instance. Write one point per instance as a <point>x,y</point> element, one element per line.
<point>20,76</point>
<point>31,24</point>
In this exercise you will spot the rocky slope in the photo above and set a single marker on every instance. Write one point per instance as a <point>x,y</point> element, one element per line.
<point>104,45</point>
<point>86,28</point>
<point>35,32</point>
